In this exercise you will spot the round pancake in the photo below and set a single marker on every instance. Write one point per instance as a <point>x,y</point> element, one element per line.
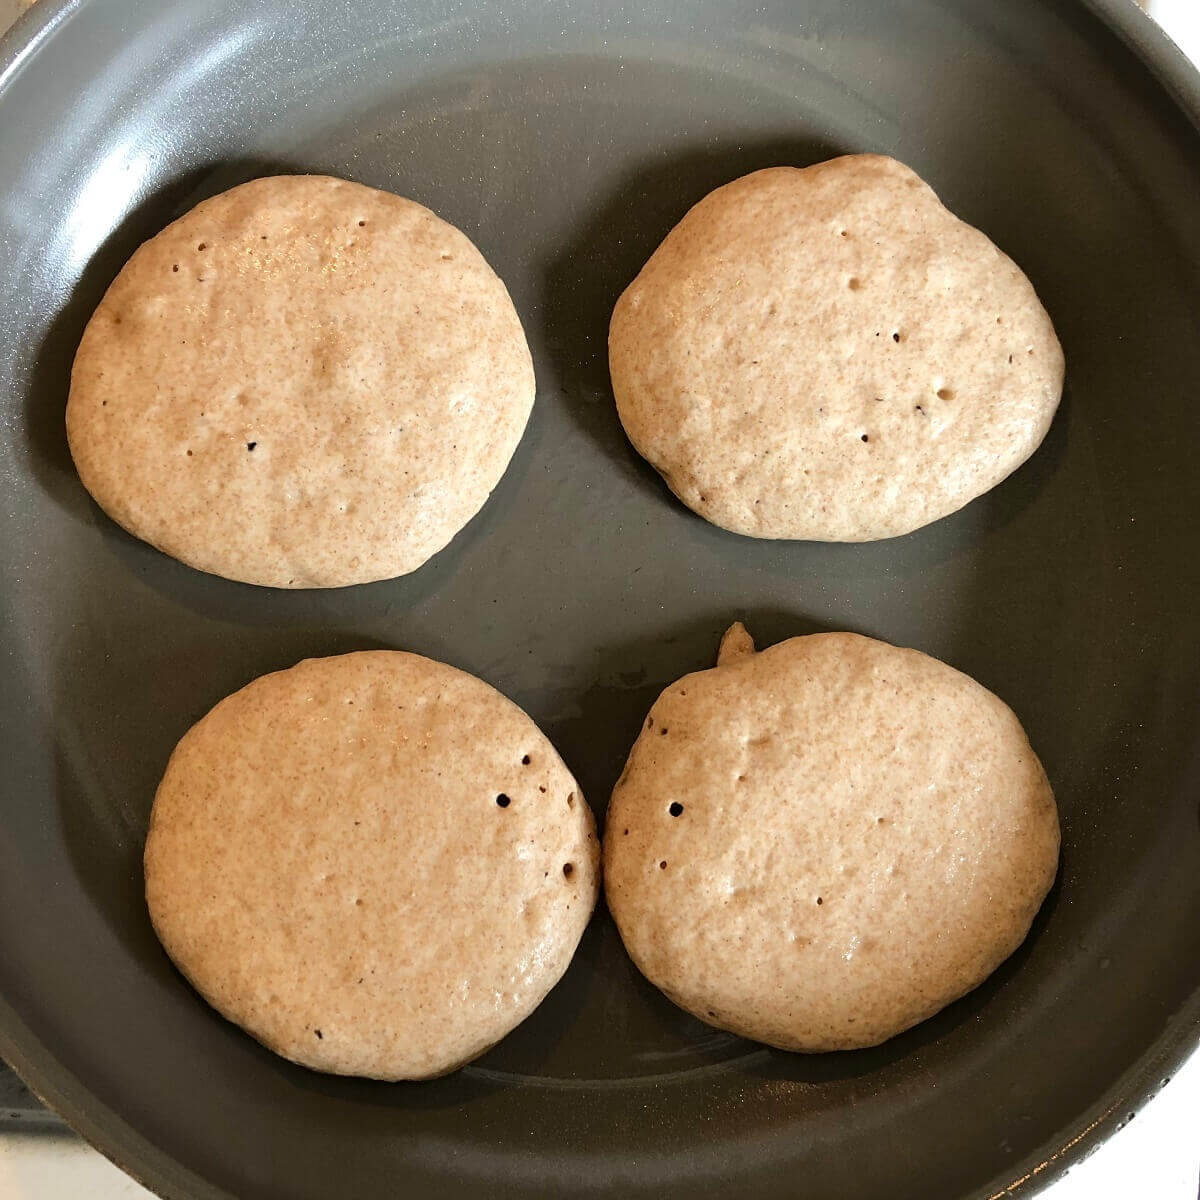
<point>303,382</point>
<point>829,354</point>
<point>375,864</point>
<point>820,845</point>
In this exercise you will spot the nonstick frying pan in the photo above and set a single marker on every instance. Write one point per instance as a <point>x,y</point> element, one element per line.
<point>566,138</point>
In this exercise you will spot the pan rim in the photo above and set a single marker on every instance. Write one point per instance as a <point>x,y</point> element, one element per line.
<point>119,1141</point>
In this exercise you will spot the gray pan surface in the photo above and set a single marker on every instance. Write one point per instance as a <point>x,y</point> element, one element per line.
<point>566,139</point>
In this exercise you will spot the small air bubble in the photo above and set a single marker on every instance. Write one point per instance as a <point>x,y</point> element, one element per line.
<point>503,801</point>
<point>361,224</point>
<point>945,394</point>
<point>866,437</point>
<point>316,1031</point>
<point>251,445</point>
<point>676,809</point>
<point>568,869</point>
<point>896,336</point>
<point>626,833</point>
<point>570,799</point>
<point>176,268</point>
<point>819,900</point>
<point>854,283</point>
<point>189,454</point>
<point>662,866</point>
<point>524,760</point>
<point>663,731</point>
<point>204,246</point>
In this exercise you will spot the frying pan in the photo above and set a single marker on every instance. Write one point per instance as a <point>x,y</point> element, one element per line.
<point>566,138</point>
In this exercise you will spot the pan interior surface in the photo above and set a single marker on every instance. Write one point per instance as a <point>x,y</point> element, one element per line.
<point>565,140</point>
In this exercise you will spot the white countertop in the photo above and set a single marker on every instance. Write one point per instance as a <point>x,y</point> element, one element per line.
<point>1155,1157</point>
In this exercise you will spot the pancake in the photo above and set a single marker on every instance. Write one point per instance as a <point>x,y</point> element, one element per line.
<point>375,864</point>
<point>821,845</point>
<point>303,382</point>
<point>827,353</point>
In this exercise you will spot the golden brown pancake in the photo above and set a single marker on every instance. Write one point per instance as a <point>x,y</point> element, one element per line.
<point>820,845</point>
<point>375,864</point>
<point>303,382</point>
<point>827,353</point>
